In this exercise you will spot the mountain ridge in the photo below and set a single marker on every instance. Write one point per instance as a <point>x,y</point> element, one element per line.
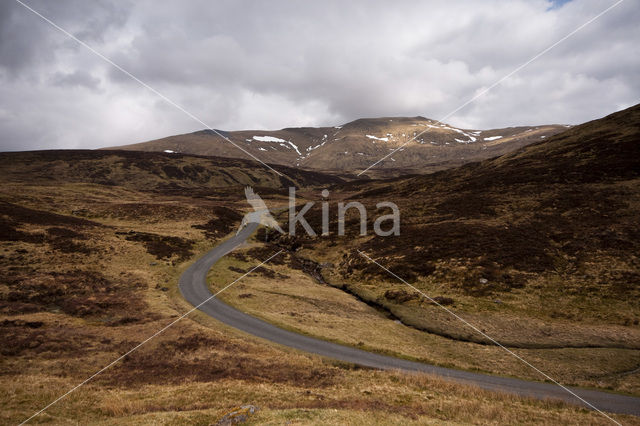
<point>356,145</point>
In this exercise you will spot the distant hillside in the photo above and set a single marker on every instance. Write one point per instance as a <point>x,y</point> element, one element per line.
<point>356,145</point>
<point>550,232</point>
<point>600,151</point>
<point>149,171</point>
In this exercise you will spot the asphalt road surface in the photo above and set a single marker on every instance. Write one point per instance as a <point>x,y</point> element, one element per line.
<point>194,289</point>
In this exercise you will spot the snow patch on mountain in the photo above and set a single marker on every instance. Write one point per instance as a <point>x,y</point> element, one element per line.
<point>268,139</point>
<point>325,138</point>
<point>281,142</point>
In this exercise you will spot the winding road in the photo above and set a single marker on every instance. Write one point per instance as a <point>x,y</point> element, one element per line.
<point>194,289</point>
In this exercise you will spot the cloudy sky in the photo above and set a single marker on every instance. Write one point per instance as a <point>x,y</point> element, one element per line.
<point>267,65</point>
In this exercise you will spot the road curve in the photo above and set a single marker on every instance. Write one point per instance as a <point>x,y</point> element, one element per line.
<point>194,289</point>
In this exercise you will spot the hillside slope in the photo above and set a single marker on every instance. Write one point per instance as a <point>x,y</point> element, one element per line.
<point>356,145</point>
<point>150,171</point>
<point>540,246</point>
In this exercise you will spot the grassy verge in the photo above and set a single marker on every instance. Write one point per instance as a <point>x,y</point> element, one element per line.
<point>289,298</point>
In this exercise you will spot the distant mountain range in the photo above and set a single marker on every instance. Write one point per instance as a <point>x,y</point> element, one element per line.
<point>354,146</point>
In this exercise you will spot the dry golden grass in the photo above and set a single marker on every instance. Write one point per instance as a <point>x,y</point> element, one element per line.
<point>293,300</point>
<point>362,397</point>
<point>199,369</point>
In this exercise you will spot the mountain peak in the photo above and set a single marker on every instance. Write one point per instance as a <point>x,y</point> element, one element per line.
<point>425,145</point>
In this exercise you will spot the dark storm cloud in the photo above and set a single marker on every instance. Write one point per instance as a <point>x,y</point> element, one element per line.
<point>26,41</point>
<point>20,40</point>
<point>244,64</point>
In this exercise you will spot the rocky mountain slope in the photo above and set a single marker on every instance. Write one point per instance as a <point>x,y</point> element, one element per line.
<point>356,145</point>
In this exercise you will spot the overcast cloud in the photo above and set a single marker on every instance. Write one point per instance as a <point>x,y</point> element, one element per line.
<point>249,64</point>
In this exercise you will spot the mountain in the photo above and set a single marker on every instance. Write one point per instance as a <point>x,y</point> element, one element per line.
<point>356,145</point>
<point>547,234</point>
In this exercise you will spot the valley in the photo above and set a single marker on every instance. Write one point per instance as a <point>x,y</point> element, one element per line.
<point>538,247</point>
<point>319,213</point>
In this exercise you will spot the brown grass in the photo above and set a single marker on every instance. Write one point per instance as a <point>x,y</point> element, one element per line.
<point>65,322</point>
<point>76,294</point>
